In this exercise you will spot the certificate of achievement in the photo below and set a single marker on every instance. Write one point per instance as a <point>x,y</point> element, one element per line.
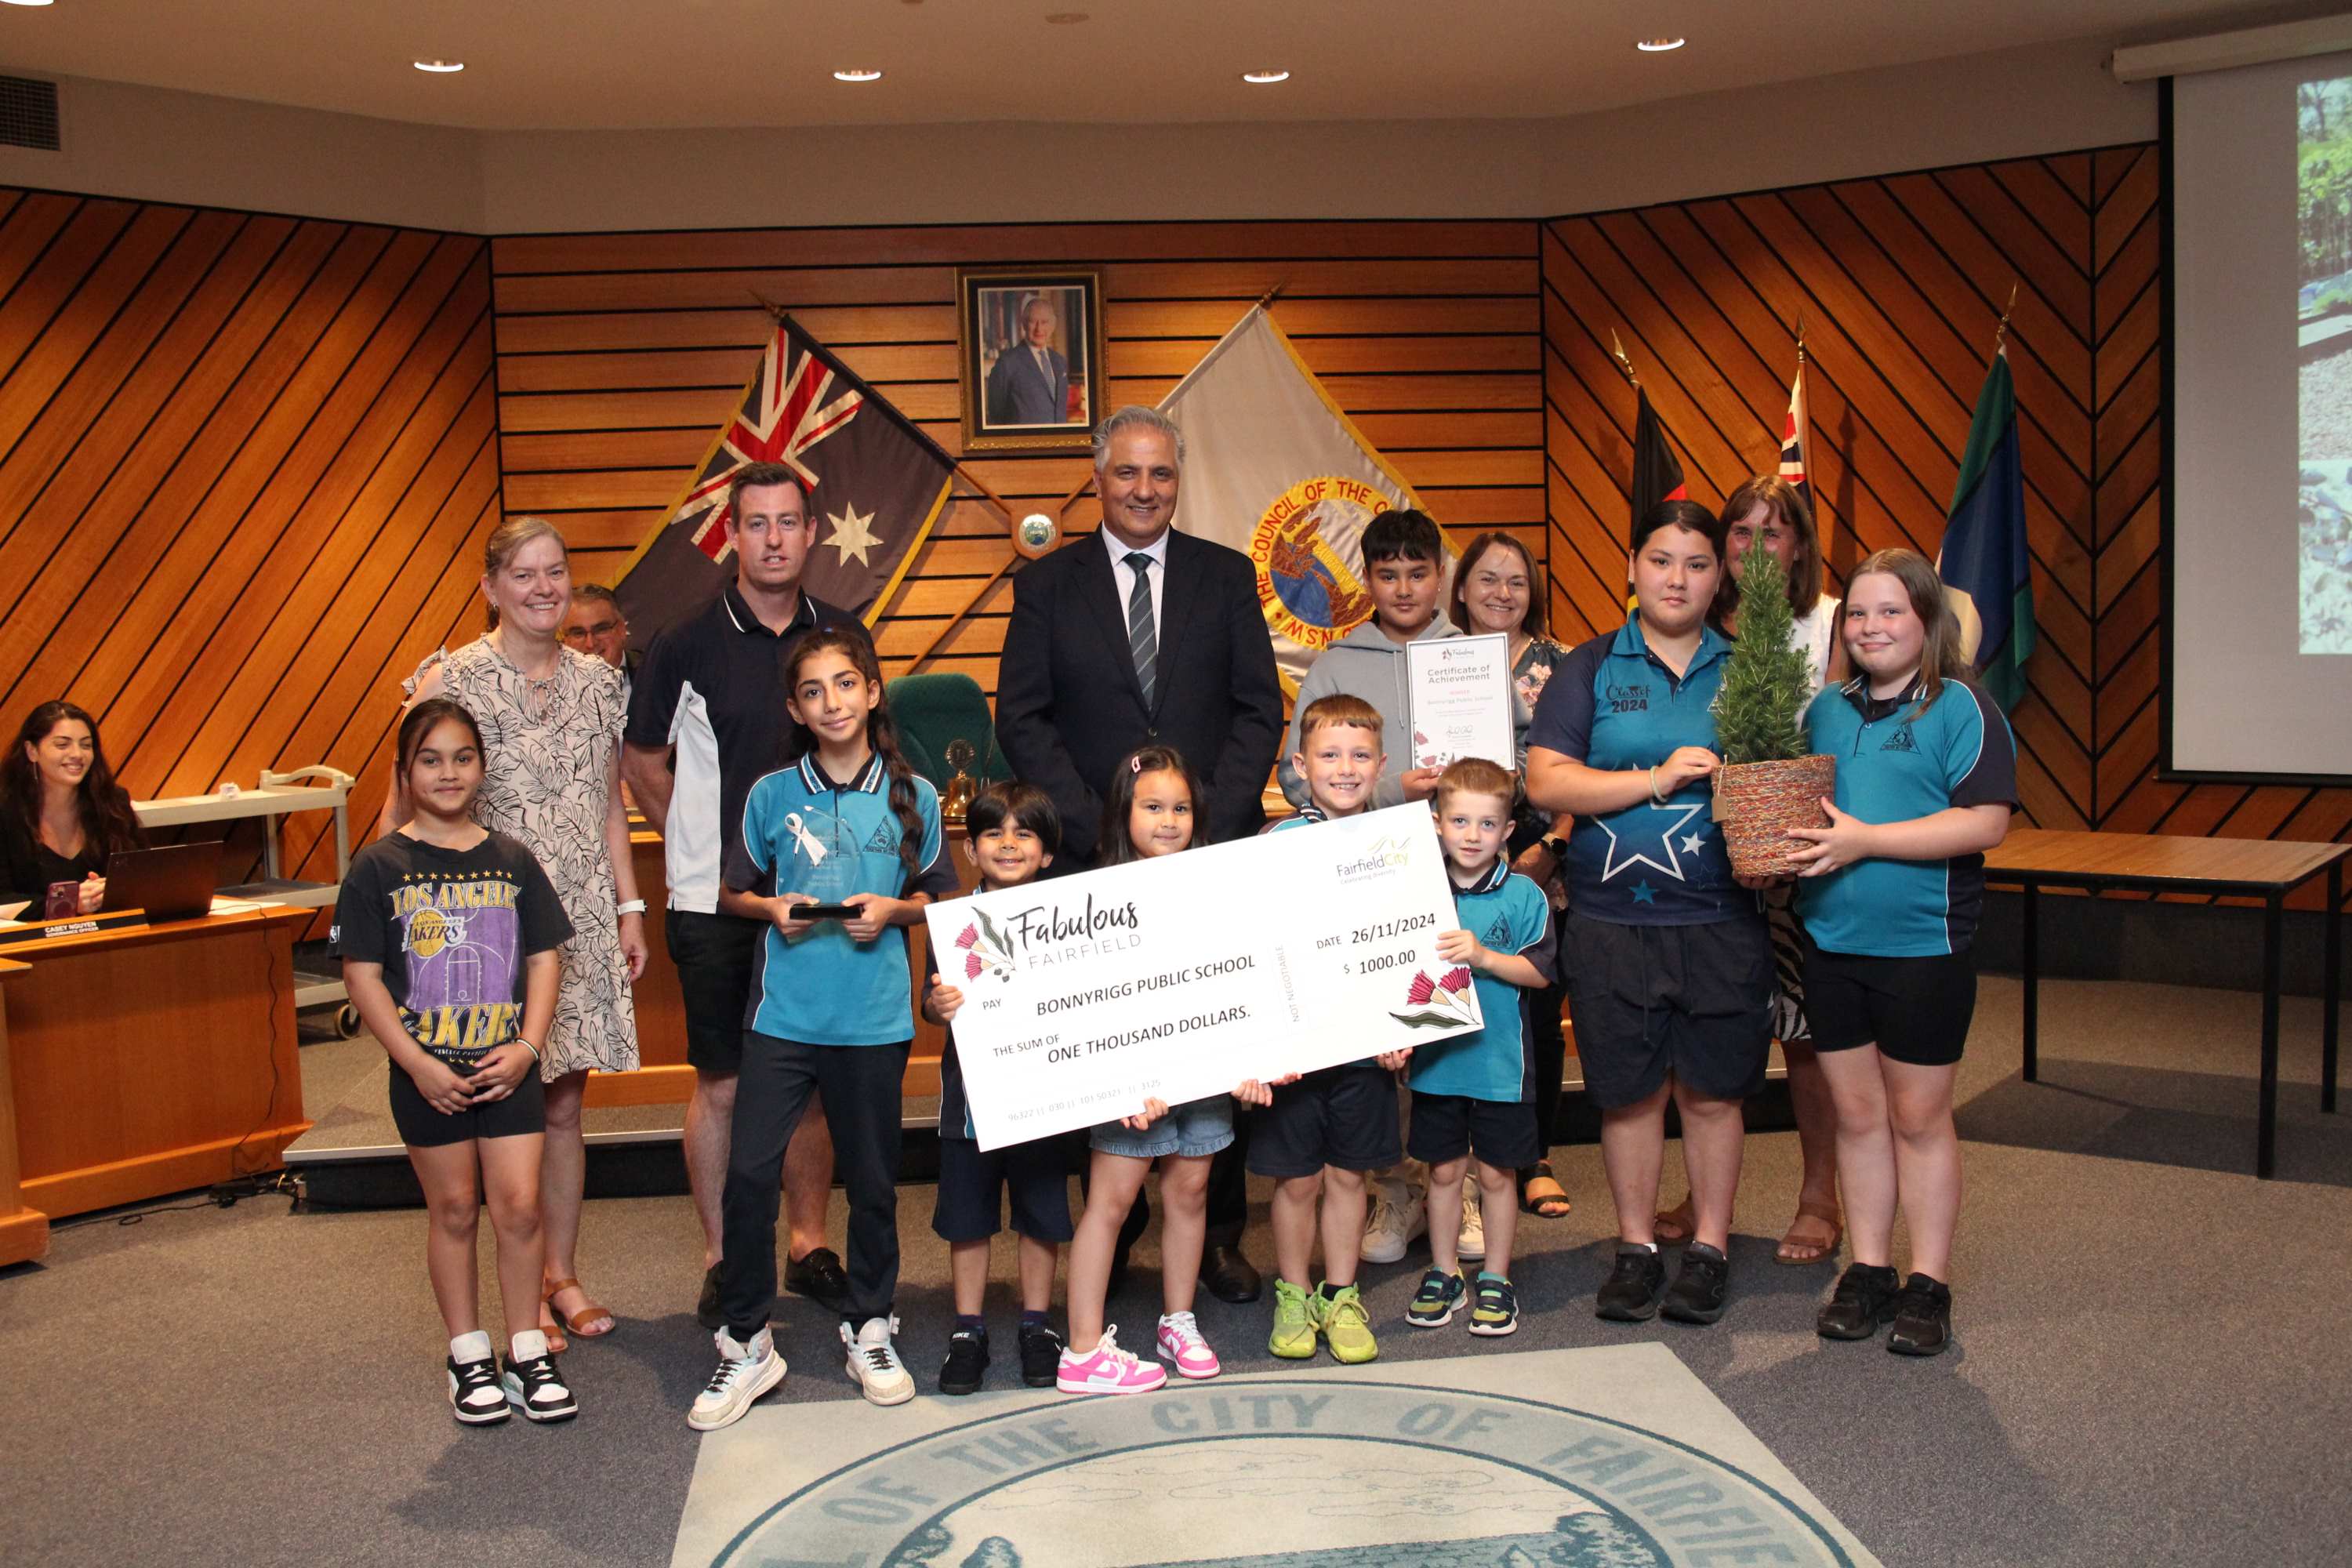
<point>1461,699</point>
<point>1181,977</point>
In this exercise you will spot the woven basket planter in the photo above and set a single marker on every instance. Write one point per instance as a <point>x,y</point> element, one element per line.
<point>1758,803</point>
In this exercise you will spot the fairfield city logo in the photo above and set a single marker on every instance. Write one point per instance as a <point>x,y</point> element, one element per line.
<point>1381,856</point>
<point>1044,933</point>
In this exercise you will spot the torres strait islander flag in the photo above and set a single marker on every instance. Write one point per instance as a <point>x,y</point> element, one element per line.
<point>1274,467</point>
<point>1983,560</point>
<point>876,485</point>
<point>1657,472</point>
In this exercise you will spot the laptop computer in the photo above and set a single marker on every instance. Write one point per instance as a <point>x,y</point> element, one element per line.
<point>173,883</point>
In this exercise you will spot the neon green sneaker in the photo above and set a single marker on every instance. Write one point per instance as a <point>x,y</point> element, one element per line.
<point>1293,1325</point>
<point>1346,1326</point>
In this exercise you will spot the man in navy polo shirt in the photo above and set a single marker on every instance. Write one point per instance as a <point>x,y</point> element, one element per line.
<point>706,720</point>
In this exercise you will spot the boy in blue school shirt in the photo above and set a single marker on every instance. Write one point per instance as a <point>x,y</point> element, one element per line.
<point>1473,1095</point>
<point>1012,834</point>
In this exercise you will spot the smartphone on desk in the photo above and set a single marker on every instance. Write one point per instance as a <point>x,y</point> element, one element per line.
<point>64,901</point>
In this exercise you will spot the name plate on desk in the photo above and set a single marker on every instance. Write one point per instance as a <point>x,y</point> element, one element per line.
<point>1178,978</point>
<point>72,925</point>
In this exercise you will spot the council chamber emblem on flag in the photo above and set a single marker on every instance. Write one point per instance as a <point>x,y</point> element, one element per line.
<point>875,484</point>
<point>1275,470</point>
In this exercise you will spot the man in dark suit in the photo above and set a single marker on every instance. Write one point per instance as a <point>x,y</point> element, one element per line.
<point>1030,383</point>
<point>1146,637</point>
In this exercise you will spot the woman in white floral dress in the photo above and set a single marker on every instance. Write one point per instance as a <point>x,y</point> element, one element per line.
<point>551,720</point>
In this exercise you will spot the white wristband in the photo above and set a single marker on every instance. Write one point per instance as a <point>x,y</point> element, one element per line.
<point>631,907</point>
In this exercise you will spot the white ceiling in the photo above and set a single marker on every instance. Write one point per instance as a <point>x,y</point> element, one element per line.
<point>582,64</point>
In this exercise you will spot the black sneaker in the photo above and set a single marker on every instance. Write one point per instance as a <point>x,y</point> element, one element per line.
<point>967,1363</point>
<point>1863,1299</point>
<point>1700,1292</point>
<point>1923,1318</point>
<point>475,1398</point>
<point>819,1277</point>
<point>534,1388</point>
<point>706,1310</point>
<point>1041,1355</point>
<point>1630,1293</point>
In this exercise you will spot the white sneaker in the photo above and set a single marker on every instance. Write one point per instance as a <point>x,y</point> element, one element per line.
<point>1471,1245</point>
<point>1400,1213</point>
<point>745,1372</point>
<point>476,1397</point>
<point>533,1384</point>
<point>874,1361</point>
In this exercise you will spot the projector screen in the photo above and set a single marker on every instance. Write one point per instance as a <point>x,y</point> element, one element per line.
<point>2260,617</point>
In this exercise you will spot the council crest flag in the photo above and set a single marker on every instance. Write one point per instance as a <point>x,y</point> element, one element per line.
<point>1983,560</point>
<point>1274,468</point>
<point>875,482</point>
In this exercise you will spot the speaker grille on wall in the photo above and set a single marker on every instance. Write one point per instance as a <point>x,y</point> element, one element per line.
<point>29,113</point>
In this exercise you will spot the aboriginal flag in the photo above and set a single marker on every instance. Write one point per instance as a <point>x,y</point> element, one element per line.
<point>1657,472</point>
<point>876,484</point>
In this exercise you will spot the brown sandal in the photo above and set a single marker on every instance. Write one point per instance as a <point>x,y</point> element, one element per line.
<point>575,1322</point>
<point>1554,1203</point>
<point>1825,1213</point>
<point>1675,1224</point>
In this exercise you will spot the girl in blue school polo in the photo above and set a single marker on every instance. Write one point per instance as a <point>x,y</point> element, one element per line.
<point>849,825</point>
<point>1889,900</point>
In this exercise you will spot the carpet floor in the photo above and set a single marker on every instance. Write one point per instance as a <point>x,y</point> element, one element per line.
<point>2146,1368</point>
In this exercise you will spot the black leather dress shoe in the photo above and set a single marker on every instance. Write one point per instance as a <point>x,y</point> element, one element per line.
<point>1229,1275</point>
<point>818,1276</point>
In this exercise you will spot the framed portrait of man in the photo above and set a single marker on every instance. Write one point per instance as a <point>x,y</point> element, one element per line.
<point>1032,341</point>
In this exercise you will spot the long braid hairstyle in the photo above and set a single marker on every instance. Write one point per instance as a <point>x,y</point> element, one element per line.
<point>881,734</point>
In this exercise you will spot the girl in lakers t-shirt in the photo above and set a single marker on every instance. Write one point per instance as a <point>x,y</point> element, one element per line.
<point>448,933</point>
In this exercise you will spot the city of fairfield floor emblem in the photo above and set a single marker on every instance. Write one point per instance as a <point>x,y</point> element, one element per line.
<point>1283,1471</point>
<point>1306,551</point>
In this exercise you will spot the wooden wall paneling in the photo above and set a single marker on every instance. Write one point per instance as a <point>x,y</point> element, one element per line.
<point>176,516</point>
<point>101,490</point>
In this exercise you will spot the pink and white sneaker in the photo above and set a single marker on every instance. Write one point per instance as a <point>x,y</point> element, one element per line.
<point>1181,1343</point>
<point>1107,1369</point>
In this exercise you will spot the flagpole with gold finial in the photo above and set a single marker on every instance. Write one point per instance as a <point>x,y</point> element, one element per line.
<point>1617,353</point>
<point>2000,332</point>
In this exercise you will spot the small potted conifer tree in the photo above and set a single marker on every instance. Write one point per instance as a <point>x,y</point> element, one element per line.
<point>1769,784</point>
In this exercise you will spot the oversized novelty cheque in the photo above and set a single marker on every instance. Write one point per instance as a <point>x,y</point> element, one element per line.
<point>1181,977</point>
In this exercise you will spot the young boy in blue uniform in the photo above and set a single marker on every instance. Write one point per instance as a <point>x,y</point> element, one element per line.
<point>1012,834</point>
<point>1404,576</point>
<point>1318,1135</point>
<point>1473,1095</point>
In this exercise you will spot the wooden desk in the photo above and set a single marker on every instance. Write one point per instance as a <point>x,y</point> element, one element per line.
<point>2033,858</point>
<point>151,1059</point>
<point>24,1231</point>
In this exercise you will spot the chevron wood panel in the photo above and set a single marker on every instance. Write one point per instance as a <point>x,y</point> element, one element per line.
<point>618,355</point>
<point>247,463</point>
<point>1901,282</point>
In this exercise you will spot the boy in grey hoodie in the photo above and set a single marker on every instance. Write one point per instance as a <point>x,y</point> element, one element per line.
<point>1404,561</point>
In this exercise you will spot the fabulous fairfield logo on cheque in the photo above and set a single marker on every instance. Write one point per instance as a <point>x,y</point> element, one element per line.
<point>1303,548</point>
<point>1046,933</point>
<point>1379,859</point>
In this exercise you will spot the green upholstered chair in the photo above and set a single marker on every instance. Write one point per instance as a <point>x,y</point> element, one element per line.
<point>934,710</point>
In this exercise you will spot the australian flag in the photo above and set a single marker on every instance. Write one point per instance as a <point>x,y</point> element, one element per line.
<point>876,484</point>
<point>1983,561</point>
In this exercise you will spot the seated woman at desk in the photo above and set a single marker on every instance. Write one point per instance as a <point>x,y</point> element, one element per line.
<point>61,812</point>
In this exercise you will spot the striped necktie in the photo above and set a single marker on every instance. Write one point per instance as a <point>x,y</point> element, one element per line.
<point>1142,638</point>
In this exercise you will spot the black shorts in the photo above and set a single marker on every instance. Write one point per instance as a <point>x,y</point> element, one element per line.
<point>1501,1133</point>
<point>715,955</point>
<point>1034,1176</point>
<point>421,1127</point>
<point>1695,1001</point>
<point>1344,1115</point>
<point>1914,1010</point>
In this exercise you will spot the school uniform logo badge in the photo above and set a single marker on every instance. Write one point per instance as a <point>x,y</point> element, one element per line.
<point>1306,549</point>
<point>1900,741</point>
